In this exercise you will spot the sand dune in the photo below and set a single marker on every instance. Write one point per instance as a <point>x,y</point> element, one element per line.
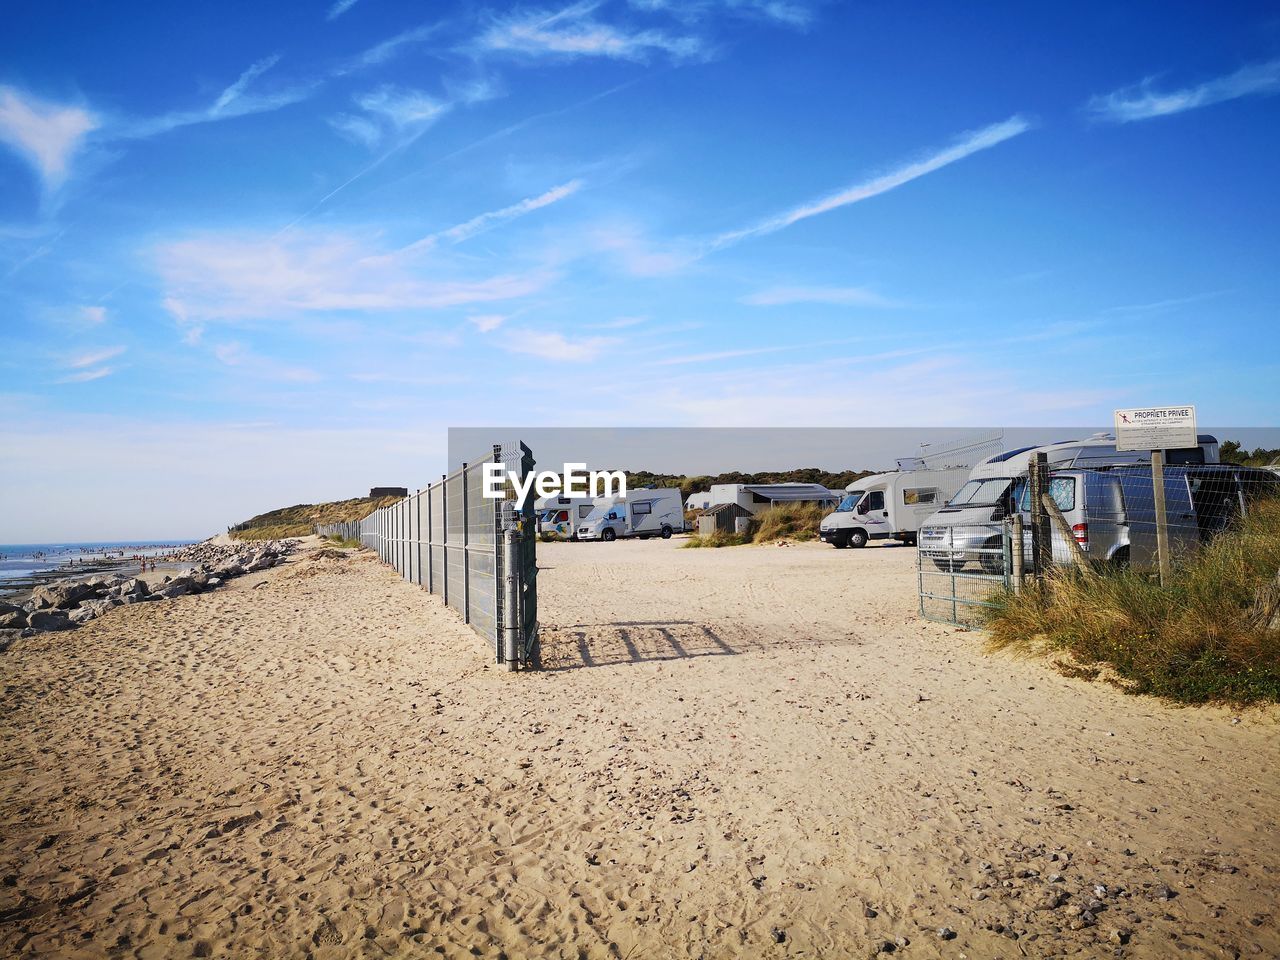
<point>746,752</point>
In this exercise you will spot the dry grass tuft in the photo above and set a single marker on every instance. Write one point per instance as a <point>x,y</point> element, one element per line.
<point>1212,634</point>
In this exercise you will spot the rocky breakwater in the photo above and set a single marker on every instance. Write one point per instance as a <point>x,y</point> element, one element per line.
<point>67,604</point>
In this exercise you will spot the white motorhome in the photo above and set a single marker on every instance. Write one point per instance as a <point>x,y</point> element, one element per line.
<point>887,506</point>
<point>559,515</point>
<point>650,512</point>
<point>757,497</point>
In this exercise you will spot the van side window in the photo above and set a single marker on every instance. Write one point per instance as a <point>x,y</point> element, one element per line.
<point>874,501</point>
<point>641,508</point>
<point>584,510</point>
<point>919,495</point>
<point>1062,489</point>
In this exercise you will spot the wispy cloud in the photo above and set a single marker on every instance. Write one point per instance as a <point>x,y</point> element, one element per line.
<point>339,8</point>
<point>551,345</point>
<point>236,354</point>
<point>387,49</point>
<point>240,275</point>
<point>1170,303</point>
<point>792,14</point>
<point>89,366</point>
<point>488,322</point>
<point>93,315</point>
<point>85,376</point>
<point>359,129</point>
<point>237,100</point>
<point>487,221</point>
<point>1143,101</point>
<point>573,32</point>
<point>968,144</point>
<point>839,296</point>
<point>93,358</point>
<point>237,89</point>
<point>47,135</point>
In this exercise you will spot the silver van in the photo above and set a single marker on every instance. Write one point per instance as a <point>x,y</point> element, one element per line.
<point>969,529</point>
<point>1111,511</point>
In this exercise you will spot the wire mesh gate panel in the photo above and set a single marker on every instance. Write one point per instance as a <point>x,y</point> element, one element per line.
<point>960,569</point>
<point>475,552</point>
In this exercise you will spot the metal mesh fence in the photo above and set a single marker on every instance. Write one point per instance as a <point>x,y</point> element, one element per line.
<point>466,548</point>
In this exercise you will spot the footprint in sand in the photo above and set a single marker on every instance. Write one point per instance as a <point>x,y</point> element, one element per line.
<point>327,935</point>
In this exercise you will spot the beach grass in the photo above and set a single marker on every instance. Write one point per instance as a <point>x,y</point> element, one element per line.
<point>788,521</point>
<point>1211,634</point>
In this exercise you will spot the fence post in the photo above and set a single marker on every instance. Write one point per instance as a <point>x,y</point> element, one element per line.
<point>444,527</point>
<point>431,560</point>
<point>1041,533</point>
<point>466,552</point>
<point>1017,550</point>
<point>511,597</point>
<point>1162,517</point>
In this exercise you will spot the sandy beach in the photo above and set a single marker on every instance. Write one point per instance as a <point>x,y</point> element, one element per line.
<point>756,752</point>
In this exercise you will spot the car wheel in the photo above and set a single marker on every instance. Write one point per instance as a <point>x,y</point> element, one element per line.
<point>1120,559</point>
<point>858,538</point>
<point>949,566</point>
<point>608,535</point>
<point>666,533</point>
<point>839,542</point>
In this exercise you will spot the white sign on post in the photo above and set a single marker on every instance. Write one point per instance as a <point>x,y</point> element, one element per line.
<point>1156,428</point>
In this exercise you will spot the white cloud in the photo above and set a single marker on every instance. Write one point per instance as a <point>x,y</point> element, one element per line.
<point>93,358</point>
<point>387,49</point>
<point>236,354</point>
<point>243,275</point>
<point>85,376</point>
<point>339,8</point>
<point>789,14</point>
<point>237,89</point>
<point>358,129</point>
<point>486,221</point>
<point>573,32</point>
<point>93,315</point>
<point>967,145</point>
<point>487,322</point>
<point>403,107</point>
<point>840,296</point>
<point>1142,102</point>
<point>46,134</point>
<point>553,346</point>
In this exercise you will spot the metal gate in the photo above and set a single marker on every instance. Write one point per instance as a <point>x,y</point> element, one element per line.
<point>960,569</point>
<point>475,552</point>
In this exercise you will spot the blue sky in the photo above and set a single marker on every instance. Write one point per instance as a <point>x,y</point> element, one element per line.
<point>258,253</point>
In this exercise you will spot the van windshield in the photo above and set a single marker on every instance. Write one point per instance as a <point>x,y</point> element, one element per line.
<point>980,493</point>
<point>849,502</point>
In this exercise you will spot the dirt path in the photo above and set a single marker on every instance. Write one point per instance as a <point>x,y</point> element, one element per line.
<point>744,752</point>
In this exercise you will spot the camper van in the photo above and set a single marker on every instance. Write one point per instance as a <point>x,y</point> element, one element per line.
<point>887,506</point>
<point>968,528</point>
<point>1111,510</point>
<point>651,512</point>
<point>560,515</point>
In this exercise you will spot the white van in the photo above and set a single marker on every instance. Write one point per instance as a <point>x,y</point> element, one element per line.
<point>651,512</point>
<point>560,515</point>
<point>887,506</point>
